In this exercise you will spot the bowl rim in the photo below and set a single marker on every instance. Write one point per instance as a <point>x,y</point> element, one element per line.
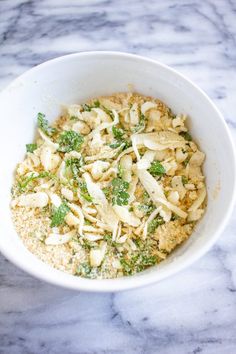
<point>130,282</point>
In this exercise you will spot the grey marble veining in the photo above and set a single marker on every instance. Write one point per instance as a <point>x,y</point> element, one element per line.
<point>192,312</point>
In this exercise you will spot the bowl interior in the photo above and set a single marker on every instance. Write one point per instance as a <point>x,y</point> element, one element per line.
<point>76,78</point>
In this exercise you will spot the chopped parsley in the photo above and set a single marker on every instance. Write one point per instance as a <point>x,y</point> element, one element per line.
<point>107,192</point>
<point>147,208</point>
<point>84,270</point>
<point>44,126</point>
<point>157,169</point>
<point>115,144</point>
<point>31,147</point>
<point>120,171</point>
<point>127,266</point>
<point>59,215</point>
<point>70,141</point>
<point>174,217</point>
<point>140,125</point>
<point>24,182</point>
<point>147,261</point>
<point>86,244</point>
<point>108,111</point>
<point>88,108</point>
<point>146,196</point>
<point>147,205</point>
<point>186,136</point>
<point>119,139</point>
<point>154,224</point>
<point>108,238</point>
<point>186,161</point>
<point>74,164</point>
<point>117,132</point>
<point>118,143</point>
<point>137,263</point>
<point>84,192</point>
<point>119,191</point>
<point>87,197</point>
<point>184,180</point>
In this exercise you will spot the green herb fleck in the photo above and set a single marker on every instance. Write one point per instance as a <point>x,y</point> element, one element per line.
<point>140,125</point>
<point>186,161</point>
<point>70,141</point>
<point>139,243</point>
<point>86,245</point>
<point>31,147</point>
<point>108,238</point>
<point>186,136</point>
<point>120,171</point>
<point>84,192</point>
<point>120,140</point>
<point>137,263</point>
<point>59,215</point>
<point>174,217</point>
<point>117,132</point>
<point>115,144</point>
<point>87,197</point>
<point>147,208</point>
<point>74,164</point>
<point>96,104</point>
<point>23,182</point>
<point>146,195</point>
<point>108,111</point>
<point>154,224</point>
<point>73,118</point>
<point>157,169</point>
<point>44,126</point>
<point>84,270</point>
<point>127,266</point>
<point>106,191</point>
<point>147,261</point>
<point>88,108</point>
<point>119,191</point>
<point>45,209</point>
<point>125,144</point>
<point>184,180</point>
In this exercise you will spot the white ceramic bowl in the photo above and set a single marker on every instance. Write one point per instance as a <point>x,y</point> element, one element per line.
<point>77,77</point>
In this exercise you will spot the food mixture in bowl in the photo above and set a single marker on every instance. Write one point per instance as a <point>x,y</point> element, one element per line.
<point>111,188</point>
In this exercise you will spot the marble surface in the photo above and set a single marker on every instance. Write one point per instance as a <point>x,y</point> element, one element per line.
<point>194,311</point>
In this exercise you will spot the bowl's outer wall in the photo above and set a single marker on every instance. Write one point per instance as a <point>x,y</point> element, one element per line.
<point>76,78</point>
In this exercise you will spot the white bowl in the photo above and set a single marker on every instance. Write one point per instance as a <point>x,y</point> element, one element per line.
<point>77,77</point>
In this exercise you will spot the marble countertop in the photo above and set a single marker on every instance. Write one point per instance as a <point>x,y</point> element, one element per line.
<point>192,312</point>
